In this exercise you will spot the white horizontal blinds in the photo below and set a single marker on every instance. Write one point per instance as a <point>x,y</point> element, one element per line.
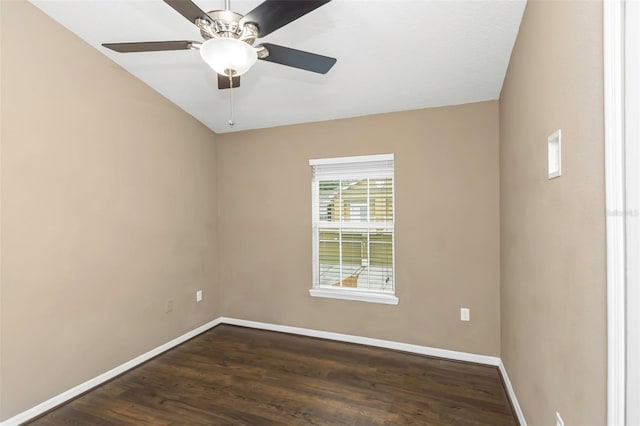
<point>353,223</point>
<point>353,167</point>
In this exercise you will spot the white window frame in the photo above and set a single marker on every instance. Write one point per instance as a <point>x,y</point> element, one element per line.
<point>346,293</point>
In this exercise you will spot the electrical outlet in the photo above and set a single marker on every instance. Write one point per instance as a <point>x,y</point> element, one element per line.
<point>559,421</point>
<point>198,295</point>
<point>169,306</point>
<point>464,314</point>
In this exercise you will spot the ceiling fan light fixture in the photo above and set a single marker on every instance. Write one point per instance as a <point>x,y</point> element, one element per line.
<point>224,54</point>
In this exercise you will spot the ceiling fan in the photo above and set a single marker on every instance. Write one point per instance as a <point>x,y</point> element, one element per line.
<point>229,38</point>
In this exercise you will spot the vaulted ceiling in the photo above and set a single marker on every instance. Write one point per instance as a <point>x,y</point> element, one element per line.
<point>392,56</point>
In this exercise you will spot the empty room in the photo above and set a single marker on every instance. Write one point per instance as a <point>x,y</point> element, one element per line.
<point>319,212</point>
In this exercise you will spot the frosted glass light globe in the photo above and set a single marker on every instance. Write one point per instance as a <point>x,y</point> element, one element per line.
<point>224,54</point>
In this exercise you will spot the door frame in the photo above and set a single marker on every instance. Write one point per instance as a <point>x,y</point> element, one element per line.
<point>618,42</point>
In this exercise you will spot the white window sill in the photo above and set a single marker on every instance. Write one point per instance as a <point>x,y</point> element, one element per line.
<point>349,294</point>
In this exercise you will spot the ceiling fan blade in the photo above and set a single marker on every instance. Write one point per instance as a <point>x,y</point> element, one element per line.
<point>188,9</point>
<point>273,14</point>
<point>223,82</point>
<point>298,58</point>
<point>150,46</point>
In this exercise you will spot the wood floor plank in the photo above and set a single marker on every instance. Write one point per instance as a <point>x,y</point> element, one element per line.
<point>236,375</point>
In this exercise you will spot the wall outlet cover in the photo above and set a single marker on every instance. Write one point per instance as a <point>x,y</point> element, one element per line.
<point>198,295</point>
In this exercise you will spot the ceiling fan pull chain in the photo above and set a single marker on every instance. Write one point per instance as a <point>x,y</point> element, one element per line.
<point>231,121</point>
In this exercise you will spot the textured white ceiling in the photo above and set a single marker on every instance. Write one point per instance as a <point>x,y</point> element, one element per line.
<point>392,56</point>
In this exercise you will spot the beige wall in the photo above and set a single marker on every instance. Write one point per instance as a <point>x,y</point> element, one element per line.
<point>553,295</point>
<point>447,227</point>
<point>108,211</point>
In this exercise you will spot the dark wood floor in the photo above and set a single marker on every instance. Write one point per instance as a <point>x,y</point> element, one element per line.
<point>235,375</point>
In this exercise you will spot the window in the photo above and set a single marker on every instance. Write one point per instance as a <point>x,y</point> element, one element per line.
<point>353,228</point>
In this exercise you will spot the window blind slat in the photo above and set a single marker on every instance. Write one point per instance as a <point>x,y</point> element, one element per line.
<point>342,172</point>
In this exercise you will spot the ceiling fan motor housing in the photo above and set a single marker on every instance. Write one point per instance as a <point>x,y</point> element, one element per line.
<point>226,24</point>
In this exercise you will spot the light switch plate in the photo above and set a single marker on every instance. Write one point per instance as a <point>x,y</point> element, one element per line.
<point>464,314</point>
<point>554,153</point>
<point>198,295</point>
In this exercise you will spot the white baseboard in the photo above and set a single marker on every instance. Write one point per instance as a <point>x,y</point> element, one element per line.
<point>91,383</point>
<point>389,344</point>
<point>512,394</point>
